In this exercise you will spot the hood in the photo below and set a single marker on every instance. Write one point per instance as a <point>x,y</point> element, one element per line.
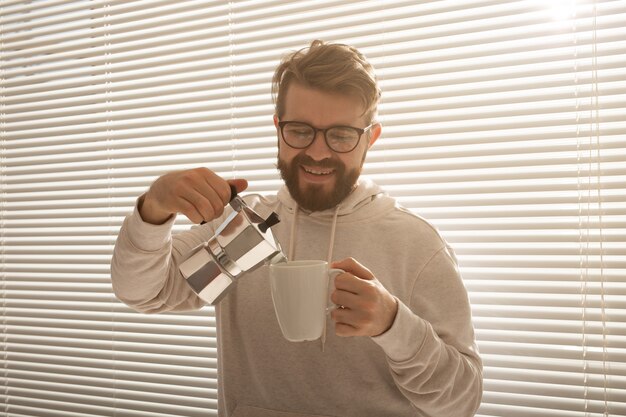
<point>365,201</point>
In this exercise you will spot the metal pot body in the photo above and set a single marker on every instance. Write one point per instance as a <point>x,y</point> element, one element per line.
<point>239,245</point>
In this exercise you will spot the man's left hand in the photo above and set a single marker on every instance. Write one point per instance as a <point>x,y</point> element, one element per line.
<point>367,308</point>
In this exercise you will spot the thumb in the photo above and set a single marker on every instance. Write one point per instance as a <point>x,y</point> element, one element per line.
<point>239,183</point>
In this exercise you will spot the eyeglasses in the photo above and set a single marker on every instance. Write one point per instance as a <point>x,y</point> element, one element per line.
<point>340,139</point>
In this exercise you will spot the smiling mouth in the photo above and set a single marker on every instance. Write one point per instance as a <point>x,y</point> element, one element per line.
<point>318,171</point>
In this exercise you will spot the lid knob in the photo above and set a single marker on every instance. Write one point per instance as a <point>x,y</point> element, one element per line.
<point>269,222</point>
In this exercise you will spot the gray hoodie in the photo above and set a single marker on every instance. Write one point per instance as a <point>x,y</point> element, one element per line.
<point>426,364</point>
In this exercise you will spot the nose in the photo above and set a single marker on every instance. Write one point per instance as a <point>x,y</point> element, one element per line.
<point>319,150</point>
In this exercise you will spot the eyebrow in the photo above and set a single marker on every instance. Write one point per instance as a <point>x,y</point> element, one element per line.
<point>320,127</point>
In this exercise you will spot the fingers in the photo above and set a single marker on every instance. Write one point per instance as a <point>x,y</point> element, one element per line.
<point>352,266</point>
<point>346,298</point>
<point>211,186</point>
<point>203,190</point>
<point>199,208</point>
<point>362,316</point>
<point>346,330</point>
<point>366,307</point>
<point>356,299</point>
<point>198,193</point>
<point>239,183</point>
<point>348,323</point>
<point>189,210</point>
<point>352,319</point>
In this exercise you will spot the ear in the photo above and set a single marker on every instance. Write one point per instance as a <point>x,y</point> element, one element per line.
<point>276,121</point>
<point>375,134</point>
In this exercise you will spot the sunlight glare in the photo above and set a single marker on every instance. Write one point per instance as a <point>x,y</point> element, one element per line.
<point>562,9</point>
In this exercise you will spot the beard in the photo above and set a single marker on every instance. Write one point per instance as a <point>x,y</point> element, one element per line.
<point>313,197</point>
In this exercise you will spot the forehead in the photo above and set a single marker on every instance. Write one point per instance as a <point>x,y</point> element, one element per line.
<point>321,108</point>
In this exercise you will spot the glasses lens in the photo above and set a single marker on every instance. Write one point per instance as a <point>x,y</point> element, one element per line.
<point>298,135</point>
<point>342,139</point>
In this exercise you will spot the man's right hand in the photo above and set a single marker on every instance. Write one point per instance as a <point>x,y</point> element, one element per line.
<point>197,193</point>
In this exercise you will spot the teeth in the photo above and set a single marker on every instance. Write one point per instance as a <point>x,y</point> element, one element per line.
<point>316,172</point>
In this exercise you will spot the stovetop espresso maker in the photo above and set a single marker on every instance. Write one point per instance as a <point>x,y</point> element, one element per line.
<point>242,243</point>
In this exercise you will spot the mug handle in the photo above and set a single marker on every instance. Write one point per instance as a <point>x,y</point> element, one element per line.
<point>332,274</point>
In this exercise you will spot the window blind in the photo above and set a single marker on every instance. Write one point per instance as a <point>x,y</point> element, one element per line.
<point>504,123</point>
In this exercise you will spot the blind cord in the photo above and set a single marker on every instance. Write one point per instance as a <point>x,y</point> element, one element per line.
<point>596,120</point>
<point>109,157</point>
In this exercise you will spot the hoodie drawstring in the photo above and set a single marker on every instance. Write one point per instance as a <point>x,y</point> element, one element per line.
<point>331,244</point>
<point>292,238</point>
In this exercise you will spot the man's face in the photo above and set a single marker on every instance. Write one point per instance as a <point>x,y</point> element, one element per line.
<point>317,177</point>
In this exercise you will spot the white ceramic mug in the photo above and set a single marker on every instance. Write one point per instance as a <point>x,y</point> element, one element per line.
<point>301,294</point>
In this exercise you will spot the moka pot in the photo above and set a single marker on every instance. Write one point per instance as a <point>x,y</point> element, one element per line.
<point>242,243</point>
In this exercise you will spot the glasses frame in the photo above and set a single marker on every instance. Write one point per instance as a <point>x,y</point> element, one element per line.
<point>359,130</point>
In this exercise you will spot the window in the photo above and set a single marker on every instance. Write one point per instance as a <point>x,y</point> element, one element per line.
<point>504,124</point>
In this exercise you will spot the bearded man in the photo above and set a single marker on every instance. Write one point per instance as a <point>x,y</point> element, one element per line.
<point>401,345</point>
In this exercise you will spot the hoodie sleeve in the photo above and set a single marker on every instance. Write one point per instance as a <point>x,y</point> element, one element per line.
<point>430,347</point>
<point>144,266</point>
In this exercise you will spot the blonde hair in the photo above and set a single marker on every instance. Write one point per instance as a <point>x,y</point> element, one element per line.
<point>329,67</point>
